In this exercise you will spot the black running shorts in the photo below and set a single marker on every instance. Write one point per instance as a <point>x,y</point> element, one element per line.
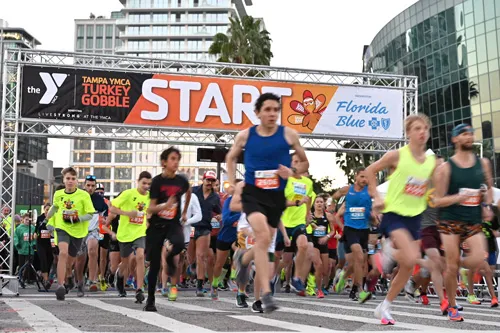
<point>269,203</point>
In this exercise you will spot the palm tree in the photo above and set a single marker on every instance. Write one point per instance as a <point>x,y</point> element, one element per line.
<point>473,92</point>
<point>244,43</point>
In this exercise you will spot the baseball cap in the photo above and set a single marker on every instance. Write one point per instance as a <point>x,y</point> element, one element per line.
<point>99,186</point>
<point>460,129</point>
<point>210,175</point>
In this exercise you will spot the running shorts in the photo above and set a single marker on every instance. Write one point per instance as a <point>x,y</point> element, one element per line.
<point>393,221</point>
<point>223,246</point>
<point>104,242</point>
<point>332,254</point>
<point>126,249</point>
<point>74,244</point>
<point>431,239</point>
<point>294,233</point>
<point>269,203</point>
<point>355,236</point>
<point>464,230</point>
<point>323,248</point>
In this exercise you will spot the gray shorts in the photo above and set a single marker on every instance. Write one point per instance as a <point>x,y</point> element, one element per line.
<point>126,249</point>
<point>74,244</point>
<point>94,234</point>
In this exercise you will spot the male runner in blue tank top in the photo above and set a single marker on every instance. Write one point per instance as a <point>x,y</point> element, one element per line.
<point>267,165</point>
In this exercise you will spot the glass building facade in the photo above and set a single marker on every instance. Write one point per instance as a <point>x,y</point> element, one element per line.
<point>453,47</point>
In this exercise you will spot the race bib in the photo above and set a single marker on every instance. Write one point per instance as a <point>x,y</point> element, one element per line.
<point>473,197</point>
<point>70,216</point>
<point>26,237</point>
<point>191,235</point>
<point>415,187</point>
<point>101,236</point>
<point>319,231</point>
<point>250,242</point>
<point>53,242</point>
<point>357,213</point>
<point>169,214</point>
<point>267,180</point>
<point>44,234</point>
<point>299,188</point>
<point>139,219</point>
<point>215,224</point>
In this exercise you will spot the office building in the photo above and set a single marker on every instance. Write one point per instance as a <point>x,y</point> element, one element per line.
<point>453,48</point>
<point>169,29</point>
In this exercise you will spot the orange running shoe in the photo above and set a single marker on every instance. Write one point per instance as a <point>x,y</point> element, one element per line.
<point>320,293</point>
<point>444,307</point>
<point>494,302</point>
<point>454,315</point>
<point>424,300</point>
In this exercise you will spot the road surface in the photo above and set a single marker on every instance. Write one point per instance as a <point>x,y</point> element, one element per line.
<point>35,311</point>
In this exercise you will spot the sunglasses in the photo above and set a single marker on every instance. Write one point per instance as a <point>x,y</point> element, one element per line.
<point>90,177</point>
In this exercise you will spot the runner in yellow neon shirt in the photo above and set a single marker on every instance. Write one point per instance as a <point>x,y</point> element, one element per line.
<point>72,209</point>
<point>132,206</point>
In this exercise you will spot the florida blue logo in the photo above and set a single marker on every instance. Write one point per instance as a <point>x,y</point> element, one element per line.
<point>386,123</point>
<point>374,123</point>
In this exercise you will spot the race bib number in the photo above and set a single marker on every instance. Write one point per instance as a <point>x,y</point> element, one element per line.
<point>267,180</point>
<point>319,232</point>
<point>26,237</point>
<point>357,213</point>
<point>415,187</point>
<point>101,236</point>
<point>299,188</point>
<point>169,214</point>
<point>138,220</point>
<point>70,216</point>
<point>473,197</point>
<point>215,224</point>
<point>250,242</point>
<point>44,234</point>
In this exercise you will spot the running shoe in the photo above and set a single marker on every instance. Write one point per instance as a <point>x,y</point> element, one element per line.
<point>444,307</point>
<point>339,287</point>
<point>61,293</point>
<point>93,287</point>
<point>80,292</point>
<point>241,300</point>
<point>273,283</point>
<point>454,315</point>
<point>103,285</point>
<point>232,285</point>
<point>325,291</point>
<point>320,294</point>
<point>352,295</point>
<point>70,285</point>
<point>164,292</point>
<point>459,307</point>
<point>364,296</point>
<point>298,284</point>
<point>172,295</point>
<point>139,296</point>
<point>214,294</point>
<point>310,291</point>
<point>383,312</point>
<point>424,300</point>
<point>494,302</point>
<point>200,292</point>
<point>120,286</point>
<point>410,291</point>
<point>472,299</point>
<point>150,305</point>
<point>385,260</point>
<point>257,307</point>
<point>268,303</point>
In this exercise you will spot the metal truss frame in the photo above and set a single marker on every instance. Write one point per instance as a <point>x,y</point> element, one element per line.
<point>13,126</point>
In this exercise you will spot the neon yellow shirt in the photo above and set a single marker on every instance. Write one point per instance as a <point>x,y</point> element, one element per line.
<point>52,222</point>
<point>69,208</point>
<point>296,189</point>
<point>309,229</point>
<point>131,229</point>
<point>407,192</point>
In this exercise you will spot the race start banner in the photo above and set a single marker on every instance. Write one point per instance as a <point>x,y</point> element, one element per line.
<point>186,101</point>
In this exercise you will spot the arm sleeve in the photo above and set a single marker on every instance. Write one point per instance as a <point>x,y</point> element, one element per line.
<point>154,191</point>
<point>217,207</point>
<point>197,216</point>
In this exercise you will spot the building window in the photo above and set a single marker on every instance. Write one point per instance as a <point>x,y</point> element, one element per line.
<point>98,43</point>
<point>102,145</point>
<point>109,42</point>
<point>123,173</point>
<point>90,43</point>
<point>79,43</point>
<point>102,157</point>
<point>81,157</point>
<point>82,172</point>
<point>123,145</point>
<point>122,186</point>
<point>90,30</point>
<point>109,31</point>
<point>123,157</point>
<point>145,158</point>
<point>82,144</point>
<point>80,30</point>
<point>99,30</point>
<point>102,173</point>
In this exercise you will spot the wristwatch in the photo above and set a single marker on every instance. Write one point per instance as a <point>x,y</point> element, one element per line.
<point>490,206</point>
<point>297,203</point>
<point>294,169</point>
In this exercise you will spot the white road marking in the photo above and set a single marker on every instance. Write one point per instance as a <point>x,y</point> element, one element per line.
<point>39,319</point>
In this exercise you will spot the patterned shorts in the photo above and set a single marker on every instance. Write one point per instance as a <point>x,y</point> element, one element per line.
<point>464,230</point>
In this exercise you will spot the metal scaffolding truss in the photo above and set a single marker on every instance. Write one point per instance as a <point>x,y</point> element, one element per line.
<point>13,126</point>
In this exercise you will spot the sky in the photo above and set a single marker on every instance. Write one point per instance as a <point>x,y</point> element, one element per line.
<point>312,34</point>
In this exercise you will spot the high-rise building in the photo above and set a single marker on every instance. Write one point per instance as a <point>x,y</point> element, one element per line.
<point>173,29</point>
<point>453,48</point>
<point>30,149</point>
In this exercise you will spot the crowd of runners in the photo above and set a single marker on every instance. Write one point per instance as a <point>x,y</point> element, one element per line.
<point>271,227</point>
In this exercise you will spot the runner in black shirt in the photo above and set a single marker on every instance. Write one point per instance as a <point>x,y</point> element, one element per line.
<point>166,192</point>
<point>44,246</point>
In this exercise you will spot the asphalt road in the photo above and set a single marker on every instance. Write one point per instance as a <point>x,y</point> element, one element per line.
<point>35,311</point>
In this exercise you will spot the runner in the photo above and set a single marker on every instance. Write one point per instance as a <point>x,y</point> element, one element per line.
<point>403,205</point>
<point>165,223</point>
<point>132,206</point>
<point>72,209</point>
<point>357,214</point>
<point>44,246</point>
<point>464,203</point>
<point>104,240</point>
<point>267,161</point>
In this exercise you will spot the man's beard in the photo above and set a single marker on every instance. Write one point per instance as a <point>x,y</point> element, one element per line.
<point>466,147</point>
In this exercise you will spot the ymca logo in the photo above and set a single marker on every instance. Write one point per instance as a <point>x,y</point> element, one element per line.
<point>52,84</point>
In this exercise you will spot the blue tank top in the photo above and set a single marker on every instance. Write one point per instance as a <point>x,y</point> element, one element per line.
<point>262,157</point>
<point>358,207</point>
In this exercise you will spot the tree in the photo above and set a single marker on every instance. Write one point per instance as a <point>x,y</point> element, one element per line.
<point>323,185</point>
<point>352,161</point>
<point>244,43</point>
<point>473,92</point>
